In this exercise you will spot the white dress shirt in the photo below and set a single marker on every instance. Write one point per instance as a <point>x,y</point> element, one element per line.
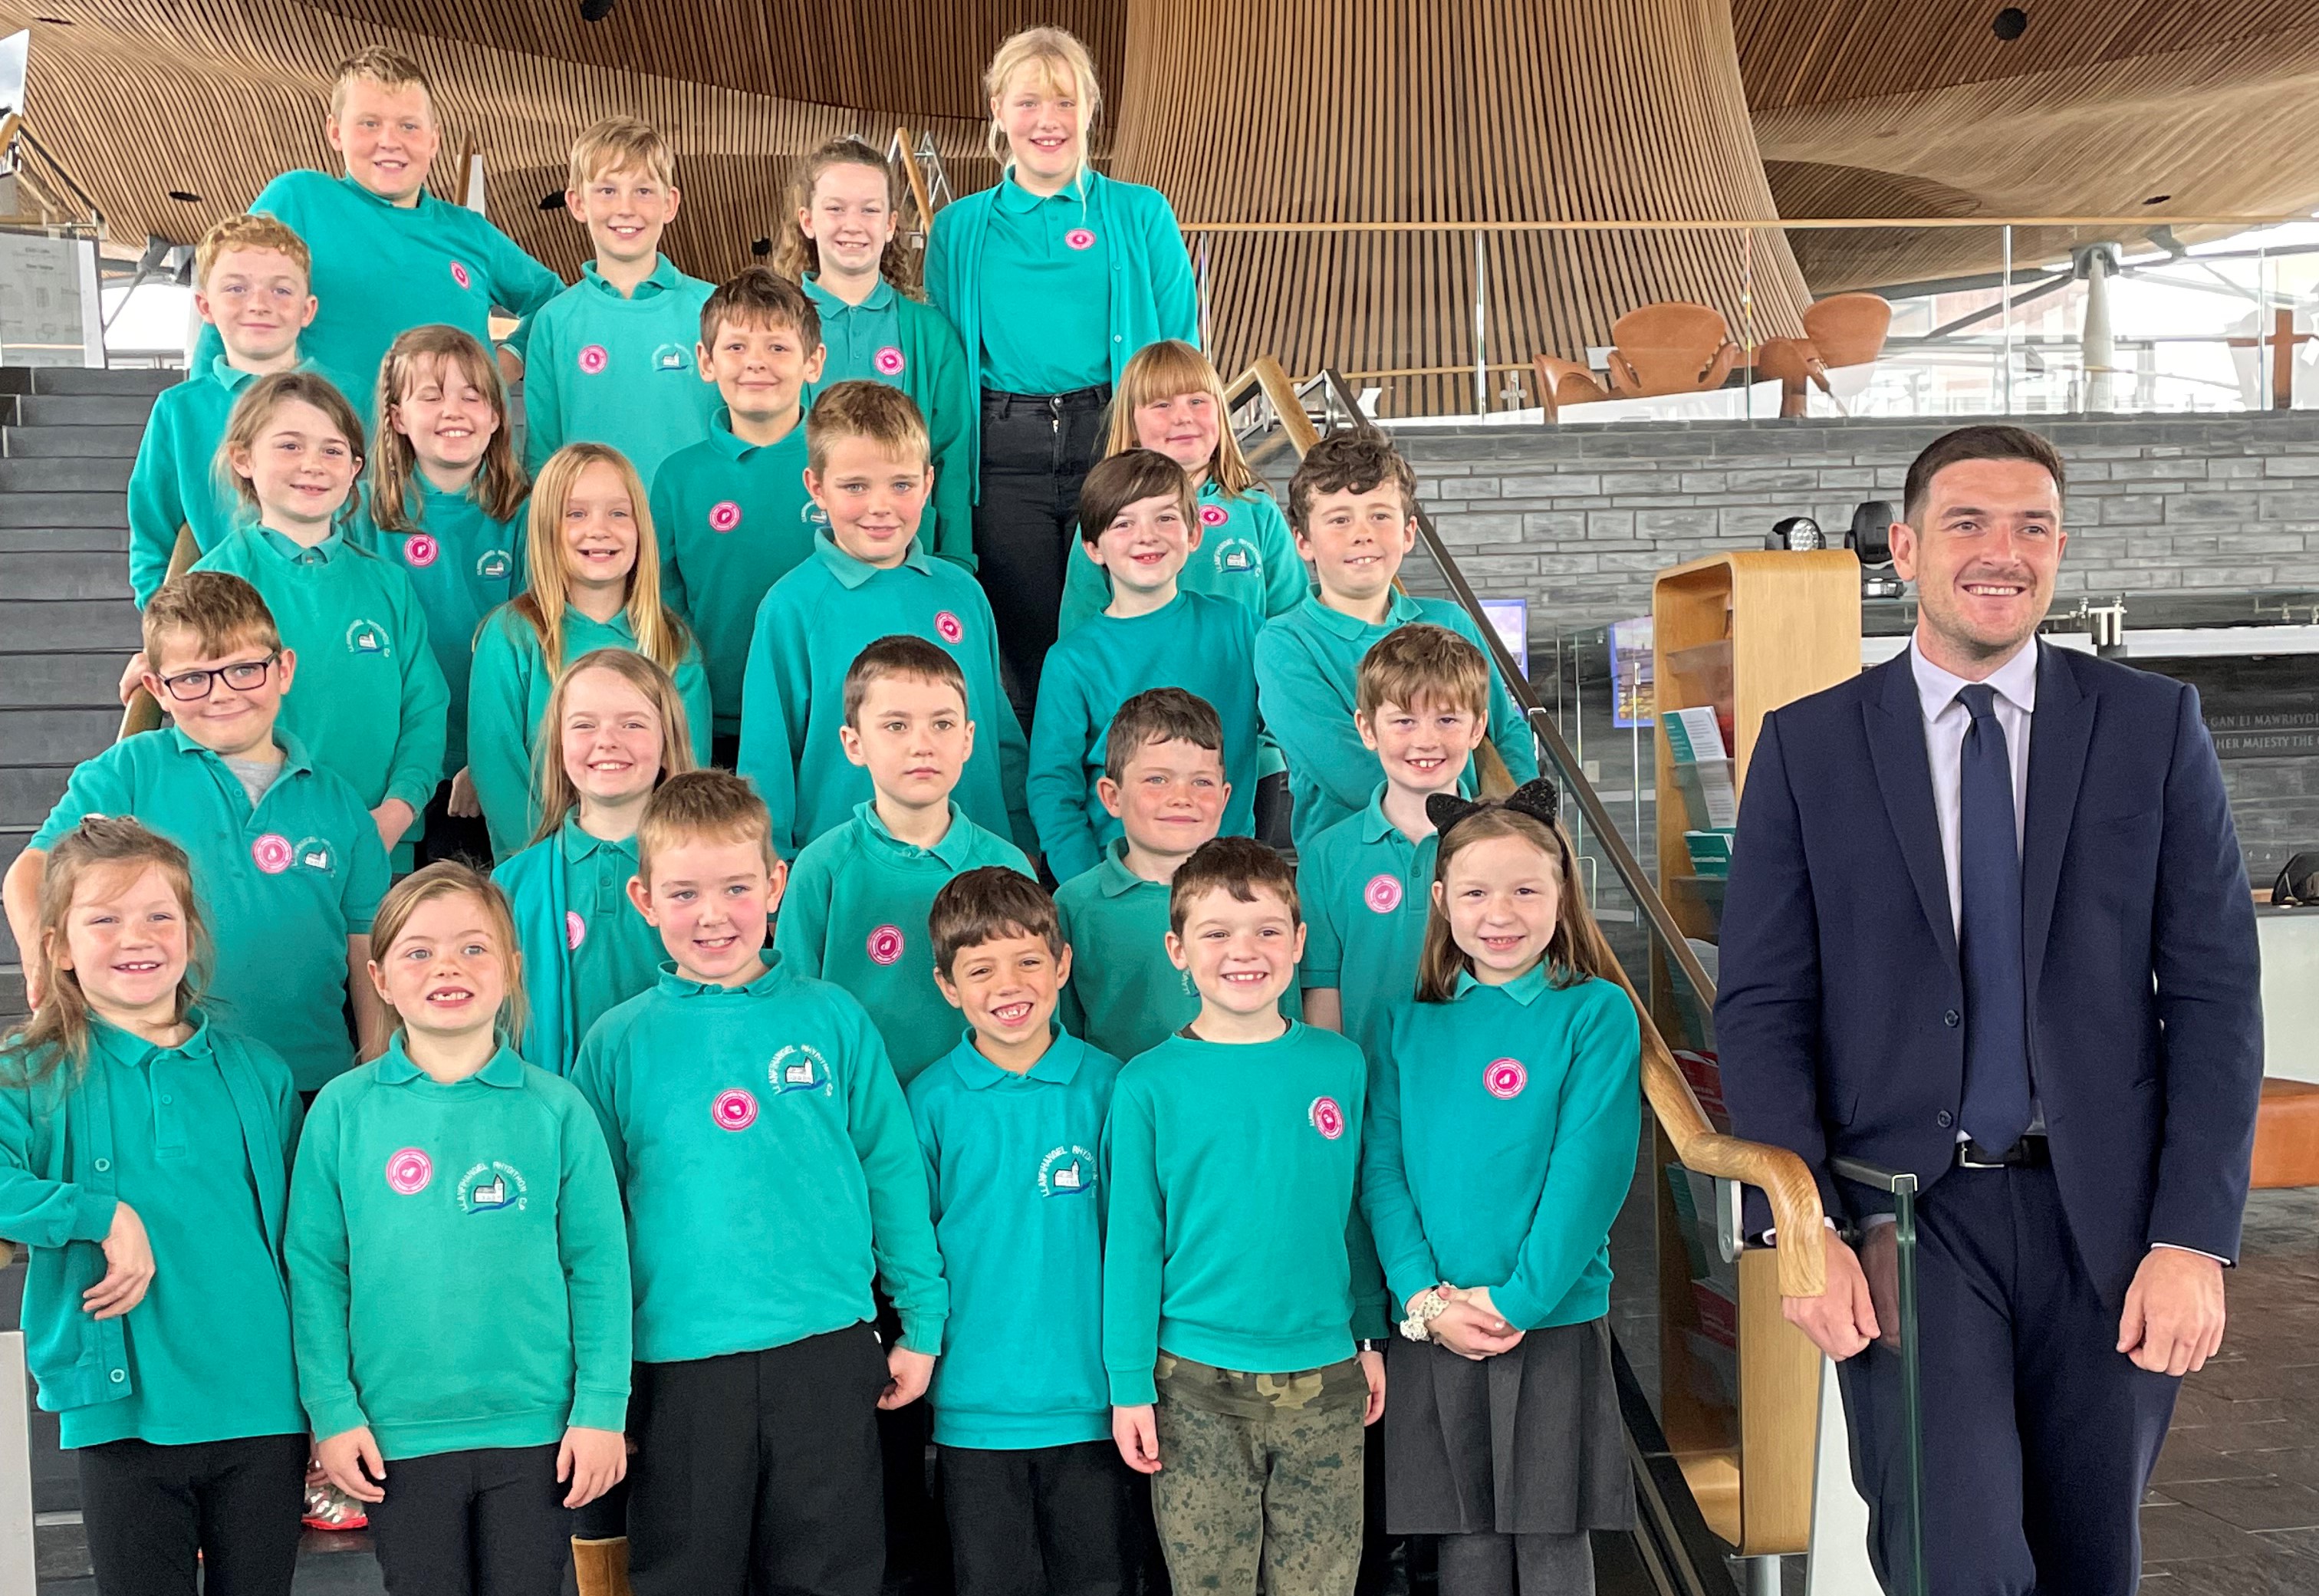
<point>1946,722</point>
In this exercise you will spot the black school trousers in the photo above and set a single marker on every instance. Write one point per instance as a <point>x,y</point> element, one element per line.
<point>760,1471</point>
<point>1037,448</point>
<point>158,1517</point>
<point>486,1522</point>
<point>1040,1522</point>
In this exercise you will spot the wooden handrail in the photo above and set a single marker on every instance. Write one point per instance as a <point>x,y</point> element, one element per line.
<point>142,713</point>
<point>916,177</point>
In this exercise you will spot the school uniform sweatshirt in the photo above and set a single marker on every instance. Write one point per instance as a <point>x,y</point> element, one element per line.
<point>766,1155</point>
<point>1246,553</point>
<point>175,481</point>
<point>458,1271</point>
<point>619,369</point>
<point>1502,1141</point>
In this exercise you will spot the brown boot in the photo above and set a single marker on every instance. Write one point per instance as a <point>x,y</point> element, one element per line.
<point>600,1567</point>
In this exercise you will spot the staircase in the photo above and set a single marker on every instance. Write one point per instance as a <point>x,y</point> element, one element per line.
<point>68,435</point>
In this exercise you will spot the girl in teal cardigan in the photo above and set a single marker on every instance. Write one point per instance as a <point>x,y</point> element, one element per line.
<point>1054,278</point>
<point>617,729</point>
<point>1503,1116</point>
<point>145,1161</point>
<point>838,244</point>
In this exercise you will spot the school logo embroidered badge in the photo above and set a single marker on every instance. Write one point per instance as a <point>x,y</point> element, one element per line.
<point>1327,1117</point>
<point>1505,1077</point>
<point>461,275</point>
<point>367,636</point>
<point>812,514</point>
<point>885,944</point>
<point>1213,515</point>
<point>1079,238</point>
<point>315,854</point>
<point>1067,1172</point>
<point>724,515</point>
<point>493,565</point>
<point>1235,555</point>
<point>672,357</point>
<point>575,930</point>
<point>887,362</point>
<point>735,1109</point>
<point>271,853</point>
<point>1383,894</point>
<point>420,549</point>
<point>409,1171</point>
<point>594,358</point>
<point>798,1067</point>
<point>949,627</point>
<point>492,1186</point>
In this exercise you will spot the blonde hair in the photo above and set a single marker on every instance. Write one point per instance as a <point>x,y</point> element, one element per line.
<point>388,68</point>
<point>1067,67</point>
<point>249,231</point>
<point>1575,953</point>
<point>1163,371</point>
<point>795,255</point>
<point>498,486</point>
<point>1422,664</point>
<point>859,408</point>
<point>448,878</point>
<point>58,1029</point>
<point>660,637</point>
<point>256,408</point>
<point>622,143</point>
<point>557,795</point>
<point>698,804</point>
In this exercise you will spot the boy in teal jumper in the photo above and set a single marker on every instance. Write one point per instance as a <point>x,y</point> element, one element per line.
<point>1423,707</point>
<point>732,510</point>
<point>733,1091</point>
<point>869,578</point>
<point>1137,520</point>
<point>610,360</point>
<point>285,859</point>
<point>1353,504</point>
<point>250,282</point>
<point>1010,1122</point>
<point>1230,1315</point>
<point>855,910</point>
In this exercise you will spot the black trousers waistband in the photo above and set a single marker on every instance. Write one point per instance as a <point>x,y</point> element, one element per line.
<point>998,402</point>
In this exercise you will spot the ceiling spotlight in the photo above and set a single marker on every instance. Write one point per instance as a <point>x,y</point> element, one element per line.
<point>760,248</point>
<point>595,11</point>
<point>2011,23</point>
<point>183,198</point>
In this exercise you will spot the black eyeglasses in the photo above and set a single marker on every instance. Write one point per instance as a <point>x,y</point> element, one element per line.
<point>188,686</point>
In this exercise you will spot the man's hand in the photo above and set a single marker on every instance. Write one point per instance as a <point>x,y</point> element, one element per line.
<point>1373,1371</point>
<point>594,1460</point>
<point>352,1461</point>
<point>1135,1431</point>
<point>909,1371</point>
<point>392,818</point>
<point>128,1267</point>
<point>2173,1319</point>
<point>1841,1320</point>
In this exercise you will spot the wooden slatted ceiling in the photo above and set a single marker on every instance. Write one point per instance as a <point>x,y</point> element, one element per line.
<point>1357,109</point>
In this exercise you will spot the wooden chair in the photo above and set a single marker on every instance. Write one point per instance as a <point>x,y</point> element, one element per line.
<point>1670,348</point>
<point>1794,362</point>
<point>1564,382</point>
<point>1848,329</point>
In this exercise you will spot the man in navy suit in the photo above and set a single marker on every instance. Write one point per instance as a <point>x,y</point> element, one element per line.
<point>1987,922</point>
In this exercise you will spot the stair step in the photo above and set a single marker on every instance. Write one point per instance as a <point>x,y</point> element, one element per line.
<point>28,792</point>
<point>61,681</point>
<point>106,409</point>
<point>79,441</point>
<point>89,382</point>
<point>62,509</point>
<point>57,737</point>
<point>66,540</point>
<point>64,476</point>
<point>66,626</point>
<point>64,576</point>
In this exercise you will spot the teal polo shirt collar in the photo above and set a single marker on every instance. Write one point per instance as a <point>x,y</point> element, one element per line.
<point>295,762</point>
<point>1019,201</point>
<point>1058,1065</point>
<point>395,1068</point>
<point>1117,880</point>
<point>881,298</point>
<point>1375,826</point>
<point>682,986</point>
<point>851,573</point>
<point>127,1048</point>
<point>298,554</point>
<point>731,444</point>
<point>1525,988</point>
<point>951,849</point>
<point>426,200</point>
<point>662,277</point>
<point>580,846</point>
<point>1400,612</point>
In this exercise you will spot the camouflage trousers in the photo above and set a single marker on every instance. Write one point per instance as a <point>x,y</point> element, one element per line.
<point>1259,1474</point>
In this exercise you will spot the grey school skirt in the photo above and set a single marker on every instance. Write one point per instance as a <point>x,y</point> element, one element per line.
<point>1526,1443</point>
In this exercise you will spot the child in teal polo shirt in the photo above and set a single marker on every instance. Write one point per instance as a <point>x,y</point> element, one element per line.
<point>617,728</point>
<point>1010,1122</point>
<point>286,859</point>
<point>1423,707</point>
<point>839,243</point>
<point>469,1401</point>
<point>736,1090</point>
<point>250,279</point>
<point>1136,519</point>
<point>1353,503</point>
<point>610,360</point>
<point>732,510</point>
<point>445,501</point>
<point>869,578</point>
<point>855,910</point>
<point>1504,1109</point>
<point>1230,1315</point>
<point>143,1144</point>
<point>375,705</point>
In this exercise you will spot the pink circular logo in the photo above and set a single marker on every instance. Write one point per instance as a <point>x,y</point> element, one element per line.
<point>409,1171</point>
<point>1327,1117</point>
<point>889,362</point>
<point>1383,894</point>
<point>885,944</point>
<point>724,515</point>
<point>420,549</point>
<point>1213,515</point>
<point>592,359</point>
<point>1079,238</point>
<point>459,274</point>
<point>735,1109</point>
<point>575,929</point>
<point>1505,1077</point>
<point>949,626</point>
<point>271,853</point>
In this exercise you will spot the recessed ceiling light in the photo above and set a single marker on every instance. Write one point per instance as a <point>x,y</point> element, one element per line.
<point>2158,199</point>
<point>55,21</point>
<point>182,197</point>
<point>2011,23</point>
<point>553,200</point>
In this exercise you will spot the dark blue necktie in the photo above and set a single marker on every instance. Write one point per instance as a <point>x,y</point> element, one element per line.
<point>1989,872</point>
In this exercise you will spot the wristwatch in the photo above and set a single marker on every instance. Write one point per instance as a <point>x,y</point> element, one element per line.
<point>1431,1305</point>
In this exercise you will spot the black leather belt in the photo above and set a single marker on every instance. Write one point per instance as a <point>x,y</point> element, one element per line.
<point>2030,1152</point>
<point>996,401</point>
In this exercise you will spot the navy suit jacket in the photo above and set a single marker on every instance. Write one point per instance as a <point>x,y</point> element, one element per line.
<point>1839,1013</point>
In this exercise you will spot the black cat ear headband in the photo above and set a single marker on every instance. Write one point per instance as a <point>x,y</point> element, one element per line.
<point>1540,799</point>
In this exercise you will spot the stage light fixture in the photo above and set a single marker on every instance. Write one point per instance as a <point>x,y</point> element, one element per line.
<point>1795,532</point>
<point>553,200</point>
<point>760,248</point>
<point>595,11</point>
<point>2011,23</point>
